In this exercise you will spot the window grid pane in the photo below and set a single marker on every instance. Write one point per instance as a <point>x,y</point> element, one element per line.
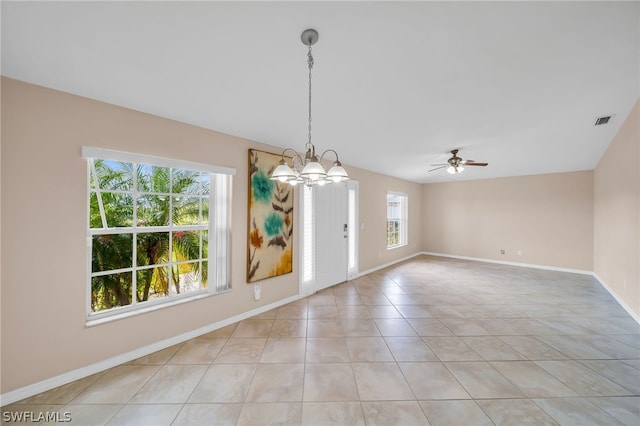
<point>396,220</point>
<point>158,216</point>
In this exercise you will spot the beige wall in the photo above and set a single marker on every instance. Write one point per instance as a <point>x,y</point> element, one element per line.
<point>373,218</point>
<point>582,220</point>
<point>44,287</point>
<point>548,217</point>
<point>617,214</point>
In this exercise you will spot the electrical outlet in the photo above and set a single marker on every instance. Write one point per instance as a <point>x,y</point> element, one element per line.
<point>257,290</point>
<point>519,252</point>
<point>624,284</point>
<point>502,251</point>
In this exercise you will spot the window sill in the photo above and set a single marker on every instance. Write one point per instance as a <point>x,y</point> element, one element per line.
<point>92,322</point>
<point>396,246</point>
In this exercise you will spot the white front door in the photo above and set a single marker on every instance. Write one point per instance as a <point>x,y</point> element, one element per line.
<point>328,251</point>
<point>331,248</point>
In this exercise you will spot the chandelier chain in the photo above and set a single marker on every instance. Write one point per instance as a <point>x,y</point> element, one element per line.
<point>310,63</point>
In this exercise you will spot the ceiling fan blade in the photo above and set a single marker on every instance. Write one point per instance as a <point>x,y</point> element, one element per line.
<point>473,163</point>
<point>438,168</point>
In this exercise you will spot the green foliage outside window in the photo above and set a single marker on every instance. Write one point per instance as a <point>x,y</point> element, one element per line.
<point>393,233</point>
<point>149,228</point>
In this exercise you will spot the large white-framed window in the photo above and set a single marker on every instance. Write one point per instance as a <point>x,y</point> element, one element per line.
<point>158,231</point>
<point>397,214</point>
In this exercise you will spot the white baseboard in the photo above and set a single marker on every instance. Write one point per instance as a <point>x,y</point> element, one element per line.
<point>62,379</point>
<point>502,262</point>
<point>626,307</point>
<point>386,265</point>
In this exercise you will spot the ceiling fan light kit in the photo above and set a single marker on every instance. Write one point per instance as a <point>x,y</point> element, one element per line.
<point>309,170</point>
<point>456,164</point>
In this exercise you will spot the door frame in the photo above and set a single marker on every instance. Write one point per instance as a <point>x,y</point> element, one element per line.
<point>307,231</point>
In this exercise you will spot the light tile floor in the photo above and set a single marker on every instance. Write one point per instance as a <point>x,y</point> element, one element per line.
<point>429,341</point>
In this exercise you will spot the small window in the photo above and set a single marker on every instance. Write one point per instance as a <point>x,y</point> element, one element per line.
<point>396,220</point>
<point>158,231</point>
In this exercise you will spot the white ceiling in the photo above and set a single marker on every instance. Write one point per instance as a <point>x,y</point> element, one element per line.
<point>396,85</point>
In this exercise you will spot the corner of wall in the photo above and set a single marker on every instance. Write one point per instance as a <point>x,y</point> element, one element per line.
<point>617,215</point>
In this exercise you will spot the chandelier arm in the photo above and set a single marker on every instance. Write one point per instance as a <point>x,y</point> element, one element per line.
<point>297,167</point>
<point>295,154</point>
<point>330,150</point>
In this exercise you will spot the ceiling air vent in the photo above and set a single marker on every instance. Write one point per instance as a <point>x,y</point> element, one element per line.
<point>603,120</point>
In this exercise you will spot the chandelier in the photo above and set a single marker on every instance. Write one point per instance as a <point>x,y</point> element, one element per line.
<point>308,170</point>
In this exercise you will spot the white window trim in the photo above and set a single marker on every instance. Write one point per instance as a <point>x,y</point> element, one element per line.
<point>110,154</point>
<point>219,233</point>
<point>404,219</point>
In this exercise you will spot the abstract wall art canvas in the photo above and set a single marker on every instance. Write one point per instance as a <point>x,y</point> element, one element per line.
<point>270,224</point>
